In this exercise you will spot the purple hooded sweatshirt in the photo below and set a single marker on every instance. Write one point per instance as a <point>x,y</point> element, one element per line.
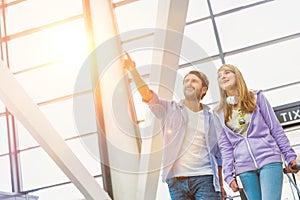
<point>265,141</point>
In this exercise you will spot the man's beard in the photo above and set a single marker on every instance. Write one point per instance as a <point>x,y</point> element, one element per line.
<point>191,96</point>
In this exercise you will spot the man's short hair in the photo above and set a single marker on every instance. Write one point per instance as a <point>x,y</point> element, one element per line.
<point>201,76</point>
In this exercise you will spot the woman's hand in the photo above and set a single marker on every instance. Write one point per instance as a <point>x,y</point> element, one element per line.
<point>234,186</point>
<point>292,167</point>
<point>128,63</point>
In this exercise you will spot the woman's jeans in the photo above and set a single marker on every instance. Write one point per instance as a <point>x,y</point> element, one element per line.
<point>264,183</point>
<point>193,188</point>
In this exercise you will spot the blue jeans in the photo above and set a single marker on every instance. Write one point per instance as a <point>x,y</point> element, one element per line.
<point>264,183</point>
<point>193,188</point>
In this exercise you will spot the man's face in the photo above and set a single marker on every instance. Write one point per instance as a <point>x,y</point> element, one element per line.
<point>192,87</point>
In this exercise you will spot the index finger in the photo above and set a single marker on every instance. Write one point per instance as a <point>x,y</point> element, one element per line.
<point>128,56</point>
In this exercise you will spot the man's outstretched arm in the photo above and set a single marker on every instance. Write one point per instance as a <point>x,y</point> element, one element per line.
<point>142,87</point>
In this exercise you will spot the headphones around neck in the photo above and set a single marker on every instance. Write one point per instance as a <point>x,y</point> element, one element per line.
<point>232,100</point>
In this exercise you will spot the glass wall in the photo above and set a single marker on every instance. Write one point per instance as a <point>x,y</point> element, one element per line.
<point>44,44</point>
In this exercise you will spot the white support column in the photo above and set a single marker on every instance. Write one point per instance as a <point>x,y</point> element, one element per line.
<point>27,112</point>
<point>120,131</point>
<point>171,20</point>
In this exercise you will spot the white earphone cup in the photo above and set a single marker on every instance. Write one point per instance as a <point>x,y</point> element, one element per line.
<point>231,100</point>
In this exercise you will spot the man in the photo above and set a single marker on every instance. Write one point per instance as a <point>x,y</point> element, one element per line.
<point>191,157</point>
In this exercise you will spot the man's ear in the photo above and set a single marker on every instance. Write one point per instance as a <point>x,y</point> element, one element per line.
<point>204,89</point>
<point>203,92</point>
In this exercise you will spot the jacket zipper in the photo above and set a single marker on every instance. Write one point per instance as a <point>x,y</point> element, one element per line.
<point>250,152</point>
<point>246,139</point>
<point>248,145</point>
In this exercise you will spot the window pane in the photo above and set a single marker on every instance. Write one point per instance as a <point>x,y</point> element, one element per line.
<point>202,34</point>
<point>288,93</point>
<point>25,138</point>
<point>64,42</point>
<point>259,24</point>
<point>140,107</point>
<point>87,151</point>
<point>294,137</point>
<point>220,6</point>
<point>3,46</point>
<point>9,1</point>
<point>142,57</point>
<point>26,15</point>
<point>137,15</point>
<point>51,82</point>
<point>3,136</point>
<point>2,25</point>
<point>2,107</point>
<point>5,184</point>
<point>162,190</point>
<point>60,192</point>
<point>68,191</point>
<point>100,181</point>
<point>197,9</point>
<point>61,116</point>
<point>270,66</point>
<point>39,169</point>
<point>84,114</point>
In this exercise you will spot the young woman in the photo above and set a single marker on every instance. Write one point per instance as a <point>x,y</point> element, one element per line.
<point>251,141</point>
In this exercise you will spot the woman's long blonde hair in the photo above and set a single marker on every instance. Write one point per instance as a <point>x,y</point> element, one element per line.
<point>246,97</point>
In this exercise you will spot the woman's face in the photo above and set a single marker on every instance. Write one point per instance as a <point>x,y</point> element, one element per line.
<point>227,80</point>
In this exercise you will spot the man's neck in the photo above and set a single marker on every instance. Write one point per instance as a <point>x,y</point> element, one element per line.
<point>194,106</point>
